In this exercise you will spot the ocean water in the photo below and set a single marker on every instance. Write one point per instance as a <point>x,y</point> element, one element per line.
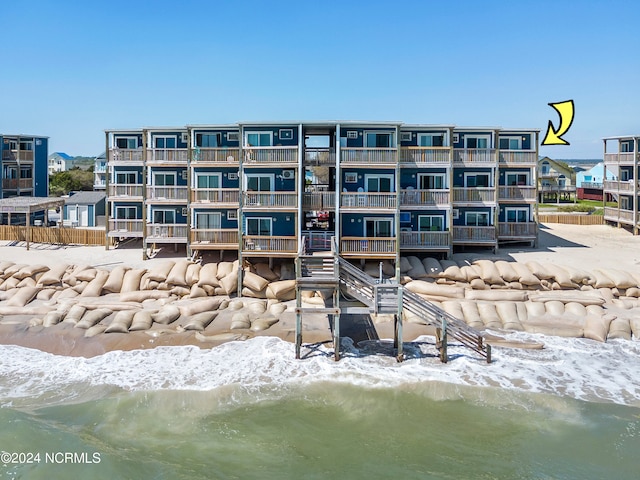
<point>250,410</point>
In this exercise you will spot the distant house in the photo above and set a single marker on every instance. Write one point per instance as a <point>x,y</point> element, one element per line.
<point>556,180</point>
<point>100,172</point>
<point>59,162</point>
<point>84,209</point>
<point>594,177</point>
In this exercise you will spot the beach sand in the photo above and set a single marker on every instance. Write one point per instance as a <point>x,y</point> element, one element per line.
<point>585,247</point>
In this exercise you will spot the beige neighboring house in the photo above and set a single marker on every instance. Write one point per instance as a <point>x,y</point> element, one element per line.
<point>556,181</point>
<point>58,162</point>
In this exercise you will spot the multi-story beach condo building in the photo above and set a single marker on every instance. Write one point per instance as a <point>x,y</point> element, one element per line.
<point>622,159</point>
<point>24,166</point>
<point>381,188</point>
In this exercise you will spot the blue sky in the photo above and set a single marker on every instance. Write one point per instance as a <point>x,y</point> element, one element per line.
<point>74,68</point>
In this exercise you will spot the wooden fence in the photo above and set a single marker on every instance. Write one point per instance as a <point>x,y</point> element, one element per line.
<point>54,235</point>
<point>571,219</point>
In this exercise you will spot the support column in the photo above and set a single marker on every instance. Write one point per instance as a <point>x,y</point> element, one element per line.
<point>336,320</point>
<point>106,183</point>
<point>28,218</point>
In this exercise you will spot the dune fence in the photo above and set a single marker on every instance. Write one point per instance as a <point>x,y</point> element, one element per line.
<point>571,219</point>
<point>53,235</point>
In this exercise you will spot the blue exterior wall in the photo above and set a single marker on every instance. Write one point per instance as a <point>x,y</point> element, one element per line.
<point>502,213</point>
<point>502,174</point>
<point>526,138</point>
<point>356,228</point>
<point>180,181</point>
<point>125,168</point>
<point>277,141</point>
<point>459,174</point>
<point>409,176</point>
<point>180,219</point>
<point>128,135</point>
<point>224,221</point>
<point>359,141</point>
<point>594,175</point>
<point>138,205</point>
<point>460,221</point>
<point>280,225</point>
<point>279,184</point>
<point>226,183</point>
<point>40,167</point>
<point>462,135</point>
<point>353,187</point>
<point>413,223</point>
<point>414,136</point>
<point>178,135</point>
<point>223,136</point>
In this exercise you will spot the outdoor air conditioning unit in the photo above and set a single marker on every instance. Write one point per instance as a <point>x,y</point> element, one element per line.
<point>288,174</point>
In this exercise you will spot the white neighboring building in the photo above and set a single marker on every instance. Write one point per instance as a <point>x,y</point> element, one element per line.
<point>58,162</point>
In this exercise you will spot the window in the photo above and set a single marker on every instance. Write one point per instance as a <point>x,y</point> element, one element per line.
<point>405,136</point>
<point>626,203</point>
<point>233,175</point>
<point>352,134</point>
<point>126,213</point>
<point>477,180</point>
<point>624,175</point>
<point>232,215</point>
<point>477,219</point>
<point>517,179</point>
<point>164,142</point>
<point>625,147</point>
<point>431,140</point>
<point>26,145</point>
<point>259,183</point>
<point>129,178</point>
<point>479,141</point>
<point>430,181</point>
<point>26,172</point>
<point>164,216</point>
<point>377,227</point>
<point>127,143</point>
<point>208,140</point>
<point>510,143</point>
<point>544,168</point>
<point>517,215</point>
<point>431,223</point>
<point>164,179</point>
<point>285,134</point>
<point>208,180</point>
<point>259,139</point>
<point>259,226</point>
<point>208,220</point>
<point>379,183</point>
<point>379,140</point>
<point>562,181</point>
<point>350,177</point>
<point>232,136</point>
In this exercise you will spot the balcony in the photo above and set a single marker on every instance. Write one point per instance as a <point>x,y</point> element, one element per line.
<point>260,200</point>
<point>170,194</point>
<point>263,155</point>
<point>514,231</point>
<point>557,188</point>
<point>167,233</point>
<point>215,238</point>
<point>216,155</point>
<point>368,200</point>
<point>364,247</point>
<point>474,156</point>
<point>518,158</point>
<point>100,168</point>
<point>463,234</point>
<point>124,156</point>
<point>425,155</point>
<point>17,183</point>
<point>424,198</point>
<point>623,158</point>
<point>219,196</point>
<point>319,200</point>
<point>367,156</point>
<point>618,215</point>
<point>519,193</point>
<point>166,156</point>
<point>126,228</point>
<point>18,155</point>
<point>125,190</point>
<point>474,195</point>
<point>616,186</point>
<point>259,245</point>
<point>318,240</point>
<point>425,240</point>
<point>320,156</point>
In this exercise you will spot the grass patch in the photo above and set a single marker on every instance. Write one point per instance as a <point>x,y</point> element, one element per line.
<point>577,208</point>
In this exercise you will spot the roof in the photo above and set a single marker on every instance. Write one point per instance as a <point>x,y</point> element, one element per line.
<point>63,155</point>
<point>29,204</point>
<point>20,135</point>
<point>85,198</point>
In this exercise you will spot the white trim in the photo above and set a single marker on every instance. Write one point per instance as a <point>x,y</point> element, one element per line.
<point>232,215</point>
<point>377,220</point>
<point>270,176</point>
<point>258,132</point>
<point>246,225</point>
<point>282,131</point>
<point>166,174</point>
<point>124,172</point>
<point>233,136</point>
<point>172,210</point>
<point>487,137</point>
<point>391,133</point>
<point>420,176</point>
<point>517,209</point>
<point>208,174</point>
<point>475,174</point>
<point>184,137</point>
<point>510,137</point>
<point>126,207</point>
<point>444,225</point>
<point>218,215</point>
<point>423,135</point>
<point>406,136</point>
<point>232,176</point>
<point>120,137</point>
<point>155,137</point>
<point>369,176</point>
<point>352,134</point>
<point>512,174</point>
<point>350,177</point>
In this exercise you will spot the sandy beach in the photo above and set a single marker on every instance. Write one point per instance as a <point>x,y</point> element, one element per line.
<point>586,248</point>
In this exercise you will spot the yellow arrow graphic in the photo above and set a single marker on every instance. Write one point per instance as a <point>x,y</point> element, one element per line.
<point>566,112</point>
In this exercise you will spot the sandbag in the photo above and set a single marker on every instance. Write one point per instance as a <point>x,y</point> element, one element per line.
<point>114,282</point>
<point>208,275</point>
<point>554,330</point>
<point>53,276</point>
<point>472,272</point>
<point>575,308</point>
<point>180,291</point>
<point>538,270</point>
<point>200,321</point>
<point>560,276</point>
<point>95,330</point>
<point>192,277</point>
<point>635,327</point>
<point>388,269</point>
<point>496,295</point>
<point>506,271</point>
<point>453,308</point>
<point>277,308</point>
<point>602,280</point>
<point>142,295</point>
<point>565,296</point>
<point>453,272</point>
<point>254,282</point>
<point>91,317</point>
<point>263,270</point>
<point>75,314</point>
<point>619,328</point>
<point>255,307</point>
<point>489,315</point>
<point>94,288</point>
<point>405,265</point>
<point>191,307</point>
<point>507,312</point>
<point>131,280</point>
<point>177,275</point>
<point>197,292</point>
<point>281,290</point>
<point>166,315</point>
<point>578,276</point>
<point>142,320</point>
<point>229,283</point>
<point>478,284</point>
<point>432,267</point>
<point>4,264</point>
<point>263,323</point>
<point>554,308</point>
<point>620,278</point>
<point>597,327</point>
<point>535,309</point>
<point>224,269</point>
<point>417,269</point>
<point>525,276</point>
<point>22,296</point>
<point>471,314</point>
<point>160,271</point>
<point>29,270</point>
<point>27,282</point>
<point>85,274</point>
<point>426,288</point>
<point>240,320</point>
<point>121,322</point>
<point>46,294</point>
<point>52,318</point>
<point>247,292</point>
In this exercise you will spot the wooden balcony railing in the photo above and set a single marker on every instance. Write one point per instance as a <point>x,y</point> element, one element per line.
<point>270,155</point>
<point>216,195</point>
<point>474,234</point>
<point>167,232</point>
<point>265,244</point>
<point>426,240</point>
<point>126,228</point>
<point>215,155</point>
<point>520,192</point>
<point>167,193</point>
<point>511,157</point>
<point>122,190</point>
<point>320,156</point>
<point>474,194</point>
<point>123,155</point>
<point>167,155</point>
<point>625,158</point>
<point>270,199</point>
<point>365,245</point>
<point>517,230</point>
<point>215,236</point>
<point>617,186</point>
<point>319,200</point>
<point>368,155</point>
<point>409,198</point>
<point>557,188</point>
<point>367,200</point>
<point>439,155</point>
<point>21,155</point>
<point>615,214</point>
<point>474,155</point>
<point>15,183</point>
